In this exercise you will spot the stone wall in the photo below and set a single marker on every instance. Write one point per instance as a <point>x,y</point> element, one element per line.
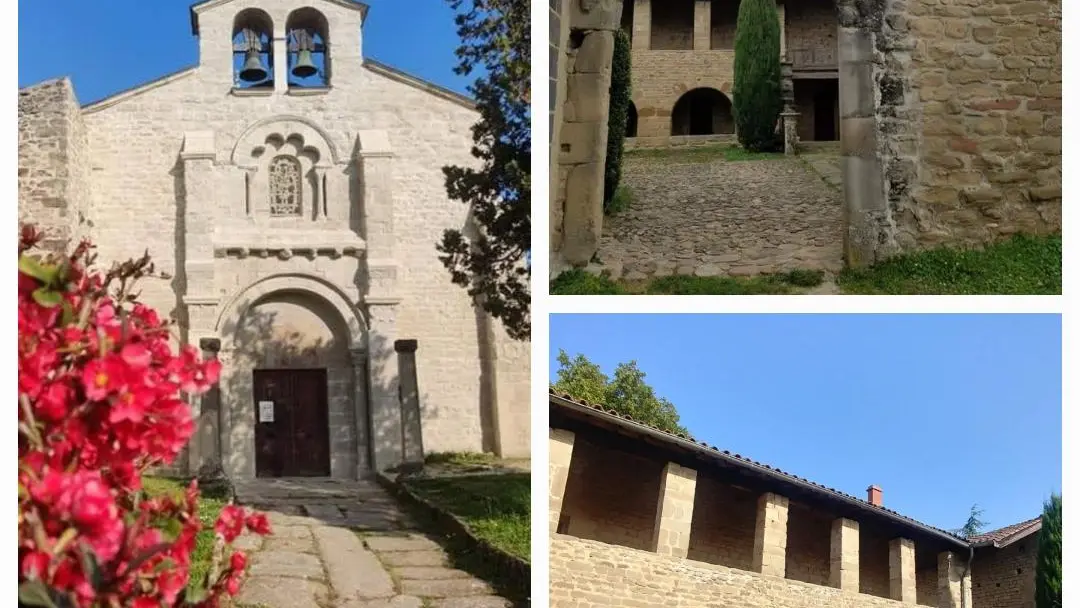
<point>672,26</point>
<point>810,26</point>
<point>1005,578</point>
<point>808,545</point>
<point>53,163</point>
<point>722,531</point>
<point>676,141</point>
<point>969,119</point>
<point>660,78</point>
<point>588,574</point>
<point>723,16</point>
<point>873,561</point>
<point>611,496</point>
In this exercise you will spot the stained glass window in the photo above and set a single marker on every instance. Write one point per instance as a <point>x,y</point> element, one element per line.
<point>284,186</point>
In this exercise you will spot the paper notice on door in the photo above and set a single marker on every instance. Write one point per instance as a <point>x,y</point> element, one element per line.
<point>266,411</point>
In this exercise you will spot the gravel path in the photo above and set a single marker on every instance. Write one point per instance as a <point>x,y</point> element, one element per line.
<point>316,559</point>
<point>725,218</point>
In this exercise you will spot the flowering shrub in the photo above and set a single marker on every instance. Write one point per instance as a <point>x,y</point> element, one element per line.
<point>100,401</point>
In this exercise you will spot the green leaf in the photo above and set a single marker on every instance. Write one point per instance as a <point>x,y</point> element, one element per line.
<point>68,315</point>
<point>47,297</point>
<point>32,267</point>
<point>91,568</point>
<point>35,593</point>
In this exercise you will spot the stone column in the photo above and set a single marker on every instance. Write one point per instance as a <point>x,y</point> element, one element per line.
<point>789,117</point>
<point>199,214</point>
<point>560,453</point>
<point>411,432</point>
<point>674,511</point>
<point>865,212</point>
<point>281,59</point>
<point>954,588</point>
<point>358,355</point>
<point>844,555</point>
<point>902,570</point>
<point>770,536</point>
<point>386,446</point>
<point>783,29</point>
<point>642,25</point>
<point>204,448</point>
<point>583,135</point>
<point>702,25</point>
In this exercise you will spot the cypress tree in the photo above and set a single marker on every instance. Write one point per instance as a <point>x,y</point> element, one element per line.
<point>757,103</point>
<point>618,112</point>
<point>1048,564</point>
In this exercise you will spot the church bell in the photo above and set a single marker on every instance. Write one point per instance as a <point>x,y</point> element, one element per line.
<point>304,65</point>
<point>253,70</point>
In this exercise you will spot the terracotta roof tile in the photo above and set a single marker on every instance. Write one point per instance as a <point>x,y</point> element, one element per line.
<point>825,489</point>
<point>1004,536</point>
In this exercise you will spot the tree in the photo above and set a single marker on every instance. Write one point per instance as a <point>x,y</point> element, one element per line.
<point>618,112</point>
<point>1048,564</point>
<point>492,264</point>
<point>757,101</point>
<point>626,393</point>
<point>973,526</point>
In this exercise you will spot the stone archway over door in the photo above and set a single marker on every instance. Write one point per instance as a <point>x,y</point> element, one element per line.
<point>702,111</point>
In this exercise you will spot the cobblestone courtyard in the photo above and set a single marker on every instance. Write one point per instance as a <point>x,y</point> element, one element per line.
<point>723,217</point>
<point>316,559</point>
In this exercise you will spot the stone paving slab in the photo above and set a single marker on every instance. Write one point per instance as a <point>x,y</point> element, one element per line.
<point>723,218</point>
<point>316,560</point>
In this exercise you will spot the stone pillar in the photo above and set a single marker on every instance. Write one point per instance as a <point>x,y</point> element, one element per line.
<point>411,431</point>
<point>865,212</point>
<point>770,536</point>
<point>783,29</point>
<point>358,356</point>
<point>583,135</point>
<point>902,570</point>
<point>844,555</point>
<point>954,588</point>
<point>642,24</point>
<point>702,25</point>
<point>281,60</point>
<point>386,445</point>
<point>204,448</point>
<point>560,453</point>
<point>789,117</point>
<point>674,511</point>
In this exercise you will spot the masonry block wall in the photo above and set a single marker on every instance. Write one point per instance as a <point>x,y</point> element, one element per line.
<point>54,172</point>
<point>809,545</point>
<point>722,531</point>
<point>969,119</point>
<point>590,574</point>
<point>810,27</point>
<point>1005,578</point>
<point>873,562</point>
<point>611,496</point>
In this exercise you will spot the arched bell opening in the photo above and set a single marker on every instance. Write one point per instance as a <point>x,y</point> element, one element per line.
<point>309,55</point>
<point>253,56</point>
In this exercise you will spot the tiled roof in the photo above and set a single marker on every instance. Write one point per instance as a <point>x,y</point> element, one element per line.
<point>750,463</point>
<point>1007,535</point>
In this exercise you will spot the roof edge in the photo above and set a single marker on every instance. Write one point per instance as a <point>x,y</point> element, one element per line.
<point>115,98</point>
<point>764,470</point>
<point>415,81</point>
<point>1022,533</point>
<point>202,5</point>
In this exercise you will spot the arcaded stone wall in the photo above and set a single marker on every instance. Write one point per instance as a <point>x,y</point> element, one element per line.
<point>611,496</point>
<point>590,574</point>
<point>660,78</point>
<point>808,545</point>
<point>873,561</point>
<point>1005,578</point>
<point>969,113</point>
<point>53,162</point>
<point>722,531</point>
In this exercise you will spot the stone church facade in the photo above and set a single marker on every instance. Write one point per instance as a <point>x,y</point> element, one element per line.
<point>295,208</point>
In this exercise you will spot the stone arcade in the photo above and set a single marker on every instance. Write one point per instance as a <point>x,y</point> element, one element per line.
<point>297,214</point>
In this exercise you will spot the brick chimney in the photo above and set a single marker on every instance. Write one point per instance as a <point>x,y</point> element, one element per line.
<point>873,495</point>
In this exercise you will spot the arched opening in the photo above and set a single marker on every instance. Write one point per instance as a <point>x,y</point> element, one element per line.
<point>309,43</point>
<point>253,52</point>
<point>631,120</point>
<point>702,112</point>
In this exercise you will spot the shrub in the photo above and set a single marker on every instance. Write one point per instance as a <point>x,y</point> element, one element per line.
<point>757,101</point>
<point>100,402</point>
<point>1048,564</point>
<point>618,113</point>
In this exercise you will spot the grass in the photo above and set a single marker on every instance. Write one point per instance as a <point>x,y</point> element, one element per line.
<point>211,501</point>
<point>580,282</point>
<point>1022,265</point>
<point>495,507</point>
<point>702,154</point>
<point>620,201</point>
<point>464,459</point>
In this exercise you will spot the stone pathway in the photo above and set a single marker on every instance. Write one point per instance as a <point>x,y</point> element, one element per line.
<point>347,544</point>
<point>717,218</point>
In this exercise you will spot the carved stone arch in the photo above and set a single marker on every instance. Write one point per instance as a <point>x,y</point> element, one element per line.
<point>283,127</point>
<point>232,312</point>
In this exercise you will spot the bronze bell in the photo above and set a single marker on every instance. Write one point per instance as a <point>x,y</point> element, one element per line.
<point>253,70</point>
<point>304,65</point>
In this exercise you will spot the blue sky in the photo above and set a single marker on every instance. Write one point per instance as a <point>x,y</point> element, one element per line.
<point>107,47</point>
<point>941,411</point>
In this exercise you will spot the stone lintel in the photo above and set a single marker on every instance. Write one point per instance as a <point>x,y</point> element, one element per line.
<point>674,511</point>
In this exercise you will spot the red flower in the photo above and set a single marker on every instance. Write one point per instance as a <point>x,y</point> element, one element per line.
<point>230,522</point>
<point>35,565</point>
<point>238,561</point>
<point>258,523</point>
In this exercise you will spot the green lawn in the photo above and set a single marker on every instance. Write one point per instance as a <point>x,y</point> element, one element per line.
<point>701,154</point>
<point>1022,265</point>
<point>211,501</point>
<point>495,507</point>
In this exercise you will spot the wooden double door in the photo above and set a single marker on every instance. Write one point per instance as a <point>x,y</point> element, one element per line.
<point>292,431</point>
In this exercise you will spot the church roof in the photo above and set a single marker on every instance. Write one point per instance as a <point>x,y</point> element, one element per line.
<point>353,4</point>
<point>1003,537</point>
